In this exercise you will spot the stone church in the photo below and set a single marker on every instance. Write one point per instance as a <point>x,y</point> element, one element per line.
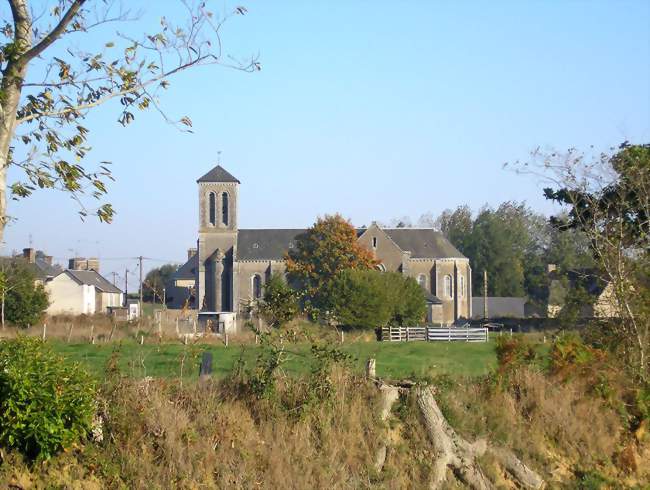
<point>230,266</point>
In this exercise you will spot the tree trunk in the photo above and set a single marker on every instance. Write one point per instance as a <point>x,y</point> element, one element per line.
<point>13,77</point>
<point>455,453</point>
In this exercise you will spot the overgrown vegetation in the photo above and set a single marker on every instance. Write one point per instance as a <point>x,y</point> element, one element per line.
<point>46,404</point>
<point>22,300</point>
<point>371,299</point>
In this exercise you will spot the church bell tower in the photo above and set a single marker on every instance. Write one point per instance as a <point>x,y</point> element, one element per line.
<point>218,192</point>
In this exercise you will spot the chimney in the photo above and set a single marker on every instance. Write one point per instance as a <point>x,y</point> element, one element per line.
<point>551,268</point>
<point>29,254</point>
<point>92,264</point>
<point>191,252</point>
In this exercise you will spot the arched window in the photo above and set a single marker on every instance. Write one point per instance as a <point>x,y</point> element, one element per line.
<point>224,208</point>
<point>462,286</point>
<point>381,267</point>
<point>448,288</point>
<point>212,208</point>
<point>422,281</point>
<point>257,286</point>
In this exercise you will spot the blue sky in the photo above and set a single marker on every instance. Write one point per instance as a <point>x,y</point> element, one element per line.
<point>374,109</point>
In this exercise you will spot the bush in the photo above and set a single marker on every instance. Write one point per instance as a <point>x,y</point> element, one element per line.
<point>46,405</point>
<point>280,303</point>
<point>24,300</point>
<point>370,299</point>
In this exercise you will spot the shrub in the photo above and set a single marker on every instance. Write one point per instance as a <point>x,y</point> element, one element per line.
<point>280,304</point>
<point>514,352</point>
<point>370,299</point>
<point>24,300</point>
<point>45,404</point>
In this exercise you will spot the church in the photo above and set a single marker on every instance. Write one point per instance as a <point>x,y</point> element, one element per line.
<point>229,266</point>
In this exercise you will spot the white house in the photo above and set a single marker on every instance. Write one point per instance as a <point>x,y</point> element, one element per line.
<point>81,292</point>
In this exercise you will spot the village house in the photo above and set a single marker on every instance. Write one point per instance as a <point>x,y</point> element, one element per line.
<point>598,295</point>
<point>81,290</point>
<point>230,266</point>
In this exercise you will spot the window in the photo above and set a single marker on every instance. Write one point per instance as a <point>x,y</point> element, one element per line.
<point>462,286</point>
<point>422,281</point>
<point>212,208</point>
<point>224,208</point>
<point>374,242</point>
<point>257,286</point>
<point>381,267</point>
<point>448,288</point>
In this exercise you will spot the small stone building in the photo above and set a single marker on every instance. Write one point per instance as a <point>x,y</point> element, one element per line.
<point>231,265</point>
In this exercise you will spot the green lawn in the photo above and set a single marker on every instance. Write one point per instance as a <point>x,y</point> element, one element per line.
<point>394,360</point>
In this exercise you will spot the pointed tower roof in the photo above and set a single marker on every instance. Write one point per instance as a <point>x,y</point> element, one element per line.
<point>218,174</point>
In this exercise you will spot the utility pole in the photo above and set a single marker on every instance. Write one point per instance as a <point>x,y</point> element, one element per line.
<point>485,301</point>
<point>140,259</point>
<point>126,286</point>
<point>114,274</point>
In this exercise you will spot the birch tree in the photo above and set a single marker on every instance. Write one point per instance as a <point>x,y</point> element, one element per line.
<point>49,85</point>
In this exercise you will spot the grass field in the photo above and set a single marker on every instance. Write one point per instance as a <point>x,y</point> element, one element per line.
<point>394,360</point>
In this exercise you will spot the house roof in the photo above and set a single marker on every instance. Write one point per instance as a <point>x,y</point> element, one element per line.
<point>432,298</point>
<point>266,244</point>
<point>423,243</point>
<point>187,270</point>
<point>92,278</point>
<point>500,306</point>
<point>218,174</point>
<point>40,268</point>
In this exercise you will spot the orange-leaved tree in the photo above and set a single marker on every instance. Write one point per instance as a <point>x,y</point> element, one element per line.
<point>327,248</point>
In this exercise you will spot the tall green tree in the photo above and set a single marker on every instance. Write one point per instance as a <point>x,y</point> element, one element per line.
<point>156,280</point>
<point>327,248</point>
<point>457,226</point>
<point>53,74</point>
<point>23,301</point>
<point>372,299</point>
<point>280,302</point>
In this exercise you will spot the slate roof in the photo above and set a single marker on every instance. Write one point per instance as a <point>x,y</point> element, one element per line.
<point>266,244</point>
<point>92,278</point>
<point>423,243</point>
<point>41,269</point>
<point>432,298</point>
<point>500,306</point>
<point>218,174</point>
<point>186,271</point>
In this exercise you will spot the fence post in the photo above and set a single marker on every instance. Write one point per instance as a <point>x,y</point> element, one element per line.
<point>177,330</point>
<point>92,334</point>
<point>371,368</point>
<point>141,339</point>
<point>226,338</point>
<point>44,330</point>
<point>70,332</point>
<point>110,336</point>
<point>407,334</point>
<point>448,334</point>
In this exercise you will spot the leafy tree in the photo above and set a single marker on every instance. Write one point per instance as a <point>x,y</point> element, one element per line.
<point>371,299</point>
<point>607,198</point>
<point>280,302</point>
<point>23,301</point>
<point>456,225</point>
<point>41,117</point>
<point>156,280</point>
<point>361,299</point>
<point>46,403</point>
<point>327,248</point>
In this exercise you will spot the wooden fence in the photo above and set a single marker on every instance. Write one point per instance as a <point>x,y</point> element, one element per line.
<point>434,334</point>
